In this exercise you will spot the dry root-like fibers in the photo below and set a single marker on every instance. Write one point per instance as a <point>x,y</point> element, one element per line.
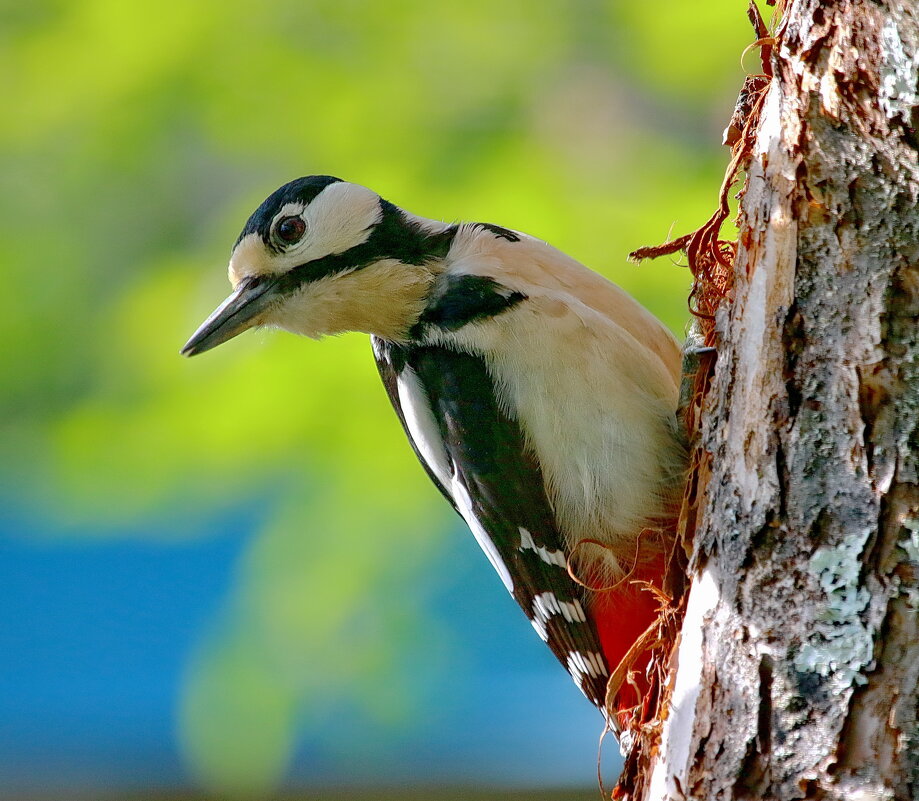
<point>711,261</point>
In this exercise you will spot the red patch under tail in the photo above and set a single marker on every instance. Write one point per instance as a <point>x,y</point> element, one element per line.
<point>622,615</point>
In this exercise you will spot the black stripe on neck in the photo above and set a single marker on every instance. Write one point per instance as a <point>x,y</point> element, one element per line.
<point>458,300</point>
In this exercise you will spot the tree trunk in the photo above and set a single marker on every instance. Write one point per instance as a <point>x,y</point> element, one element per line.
<point>797,667</point>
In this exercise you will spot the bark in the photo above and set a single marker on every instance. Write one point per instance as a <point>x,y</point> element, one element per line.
<point>797,668</point>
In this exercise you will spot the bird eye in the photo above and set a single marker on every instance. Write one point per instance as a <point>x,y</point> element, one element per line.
<point>290,230</point>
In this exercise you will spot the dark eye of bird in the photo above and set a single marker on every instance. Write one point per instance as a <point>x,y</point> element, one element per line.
<point>290,230</point>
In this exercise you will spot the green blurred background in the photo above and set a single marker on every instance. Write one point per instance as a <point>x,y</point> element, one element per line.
<point>229,573</point>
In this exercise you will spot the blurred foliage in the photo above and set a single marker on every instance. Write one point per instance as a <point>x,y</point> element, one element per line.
<point>136,140</point>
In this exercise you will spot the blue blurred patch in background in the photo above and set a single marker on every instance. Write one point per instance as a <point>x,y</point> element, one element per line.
<point>96,638</point>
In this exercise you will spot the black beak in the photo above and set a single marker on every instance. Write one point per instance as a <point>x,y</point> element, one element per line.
<point>236,314</point>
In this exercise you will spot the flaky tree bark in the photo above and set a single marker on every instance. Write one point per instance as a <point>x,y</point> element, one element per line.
<point>797,666</point>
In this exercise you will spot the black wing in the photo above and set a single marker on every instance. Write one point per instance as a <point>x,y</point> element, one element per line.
<point>475,453</point>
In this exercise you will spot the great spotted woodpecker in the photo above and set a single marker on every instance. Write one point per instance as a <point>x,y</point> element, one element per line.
<point>539,397</point>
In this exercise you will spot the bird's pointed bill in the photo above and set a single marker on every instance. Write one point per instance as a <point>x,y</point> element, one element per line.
<point>239,312</point>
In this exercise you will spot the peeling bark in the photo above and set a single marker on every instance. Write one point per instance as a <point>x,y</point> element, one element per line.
<point>799,655</point>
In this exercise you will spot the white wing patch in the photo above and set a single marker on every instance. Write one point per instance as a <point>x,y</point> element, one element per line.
<point>548,555</point>
<point>426,435</point>
<point>423,427</point>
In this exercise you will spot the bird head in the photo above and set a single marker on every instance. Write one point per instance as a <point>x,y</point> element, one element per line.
<point>322,256</point>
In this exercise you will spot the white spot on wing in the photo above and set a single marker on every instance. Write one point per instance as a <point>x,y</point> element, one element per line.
<point>575,667</point>
<point>596,660</point>
<point>546,604</point>
<point>540,627</point>
<point>422,426</point>
<point>573,611</point>
<point>548,555</point>
<point>590,664</point>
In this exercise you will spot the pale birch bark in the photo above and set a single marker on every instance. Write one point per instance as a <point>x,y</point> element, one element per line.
<point>797,670</point>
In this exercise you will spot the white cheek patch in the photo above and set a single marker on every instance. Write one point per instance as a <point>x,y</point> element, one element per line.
<point>340,217</point>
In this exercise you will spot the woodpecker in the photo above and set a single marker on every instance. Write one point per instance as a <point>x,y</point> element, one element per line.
<point>539,397</point>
